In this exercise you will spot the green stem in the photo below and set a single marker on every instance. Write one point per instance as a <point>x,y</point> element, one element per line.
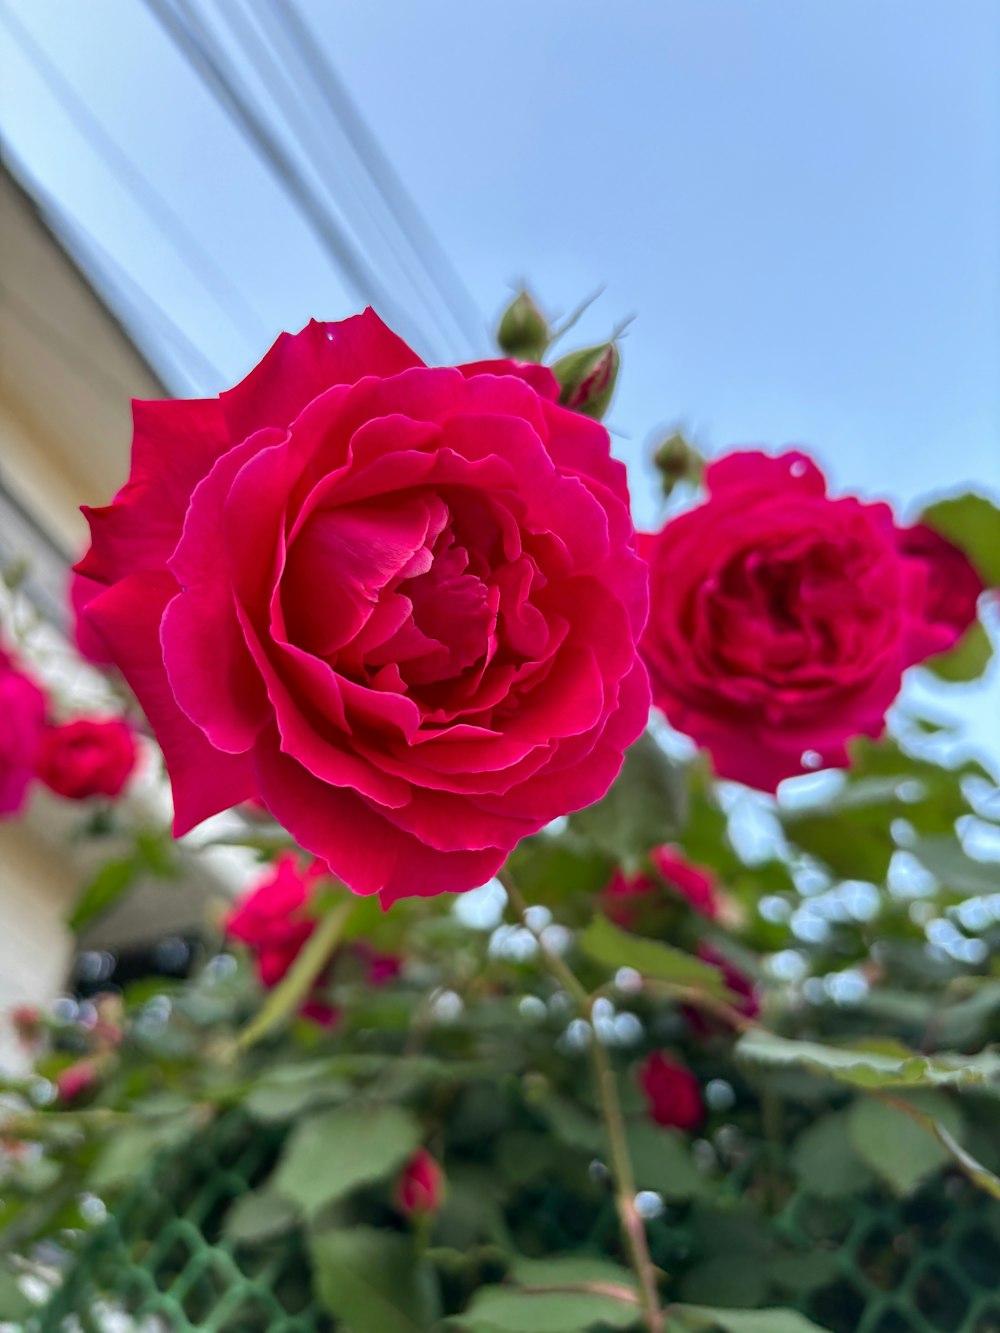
<point>288,996</point>
<point>632,1228</point>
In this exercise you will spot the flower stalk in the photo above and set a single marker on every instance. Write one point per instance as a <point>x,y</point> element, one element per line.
<point>632,1228</point>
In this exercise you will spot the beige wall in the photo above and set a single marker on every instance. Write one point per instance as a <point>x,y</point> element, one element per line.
<point>67,374</point>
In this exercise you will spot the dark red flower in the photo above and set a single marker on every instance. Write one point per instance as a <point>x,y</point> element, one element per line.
<point>696,885</point>
<point>781,620</point>
<point>952,584</point>
<point>673,1094</point>
<point>87,757</point>
<point>420,1189</point>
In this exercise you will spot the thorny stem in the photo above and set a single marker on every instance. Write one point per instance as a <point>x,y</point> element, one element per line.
<point>633,1231</point>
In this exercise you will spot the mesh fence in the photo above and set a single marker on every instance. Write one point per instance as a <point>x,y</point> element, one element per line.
<point>161,1263</point>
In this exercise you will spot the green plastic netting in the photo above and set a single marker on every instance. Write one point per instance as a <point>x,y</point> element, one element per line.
<point>929,1264</point>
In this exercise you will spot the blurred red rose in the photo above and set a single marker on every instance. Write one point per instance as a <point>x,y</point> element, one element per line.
<point>274,922</point>
<point>76,1081</point>
<point>420,1189</point>
<point>952,583</point>
<point>399,604</point>
<point>695,884</point>
<point>87,757</point>
<point>781,619</point>
<point>22,718</point>
<point>673,1094</point>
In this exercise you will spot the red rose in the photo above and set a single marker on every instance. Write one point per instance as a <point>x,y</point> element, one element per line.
<point>695,884</point>
<point>274,922</point>
<point>398,604</point>
<point>420,1188</point>
<point>89,644</point>
<point>87,757</point>
<point>746,1000</point>
<point>22,718</point>
<point>952,584</point>
<point>673,1094</point>
<point>781,620</point>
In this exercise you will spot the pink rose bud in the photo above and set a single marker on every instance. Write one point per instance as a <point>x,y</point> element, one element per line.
<point>27,1023</point>
<point>420,1189</point>
<point>587,379</point>
<point>87,757</point>
<point>673,1094</point>
<point>522,331</point>
<point>76,1081</point>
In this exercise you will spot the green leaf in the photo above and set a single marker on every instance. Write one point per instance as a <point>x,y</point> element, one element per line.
<point>14,1304</point>
<point>974,1169</point>
<point>825,1161</point>
<point>900,1148</point>
<point>513,1310</point>
<point>872,1069</point>
<point>288,996</point>
<point>111,882</point>
<point>129,1148</point>
<point>967,660</point>
<point>284,1092</point>
<point>373,1281</point>
<point>702,1318</point>
<point>605,943</point>
<point>644,808</point>
<point>956,870</point>
<point>572,1269</point>
<point>334,1152</point>
<point>571,1123</point>
<point>855,843</point>
<point>662,1161</point>
<point>728,1279</point>
<point>258,1216</point>
<point>972,523</point>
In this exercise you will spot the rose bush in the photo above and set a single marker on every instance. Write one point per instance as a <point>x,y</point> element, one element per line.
<point>782,619</point>
<point>397,604</point>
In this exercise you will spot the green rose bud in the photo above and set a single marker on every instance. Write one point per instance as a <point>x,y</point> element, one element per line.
<point>523,332</point>
<point>677,460</point>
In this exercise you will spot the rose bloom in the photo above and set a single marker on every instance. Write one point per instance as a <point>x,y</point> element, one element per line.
<point>87,757</point>
<point>273,920</point>
<point>420,1189</point>
<point>89,644</point>
<point>397,604</point>
<point>22,718</point>
<point>781,620</point>
<point>696,885</point>
<point>673,1094</point>
<point>952,583</point>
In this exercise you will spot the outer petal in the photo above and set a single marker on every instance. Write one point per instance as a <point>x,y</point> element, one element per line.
<point>300,366</point>
<point>368,852</point>
<point>204,780</point>
<point>210,669</point>
<point>174,445</point>
<point>539,377</point>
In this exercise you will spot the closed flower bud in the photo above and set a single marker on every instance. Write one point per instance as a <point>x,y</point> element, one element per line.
<point>587,379</point>
<point>27,1023</point>
<point>673,1095</point>
<point>523,331</point>
<point>420,1189</point>
<point>76,1081</point>
<point>676,461</point>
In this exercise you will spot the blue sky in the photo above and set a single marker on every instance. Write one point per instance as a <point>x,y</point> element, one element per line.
<point>799,200</point>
